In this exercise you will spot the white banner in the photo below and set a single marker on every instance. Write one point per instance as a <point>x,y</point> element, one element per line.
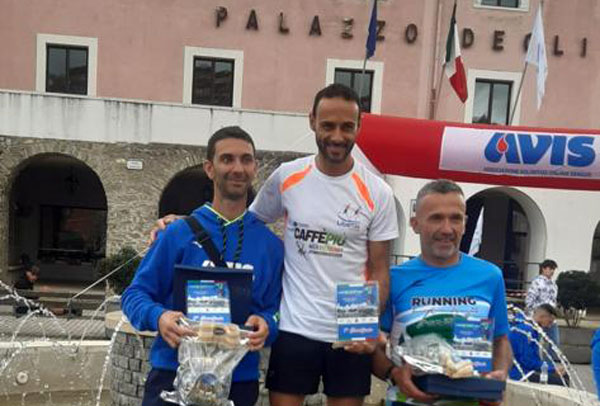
<point>523,153</point>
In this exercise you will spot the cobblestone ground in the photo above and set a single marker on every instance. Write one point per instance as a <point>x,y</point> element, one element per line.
<point>37,327</point>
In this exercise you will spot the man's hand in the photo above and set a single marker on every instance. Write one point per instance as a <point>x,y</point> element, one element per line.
<point>170,330</point>
<point>366,347</point>
<point>257,337</point>
<point>161,224</point>
<point>499,375</point>
<point>560,369</point>
<point>402,377</point>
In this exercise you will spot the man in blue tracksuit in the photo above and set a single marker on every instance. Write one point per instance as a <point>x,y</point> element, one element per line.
<point>523,339</point>
<point>242,240</point>
<point>595,344</point>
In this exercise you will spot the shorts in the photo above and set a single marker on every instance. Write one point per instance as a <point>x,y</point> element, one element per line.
<point>297,364</point>
<point>242,393</point>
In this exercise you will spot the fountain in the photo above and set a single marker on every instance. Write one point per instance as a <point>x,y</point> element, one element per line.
<point>43,362</point>
<point>527,393</point>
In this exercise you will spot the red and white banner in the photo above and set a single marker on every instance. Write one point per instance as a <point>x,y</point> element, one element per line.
<point>520,153</point>
<point>497,155</point>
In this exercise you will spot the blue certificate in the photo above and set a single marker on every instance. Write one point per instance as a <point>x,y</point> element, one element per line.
<point>208,301</point>
<point>473,340</point>
<point>357,311</point>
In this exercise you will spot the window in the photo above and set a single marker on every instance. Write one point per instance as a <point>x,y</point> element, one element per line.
<point>213,81</point>
<point>491,96</point>
<point>66,69</point>
<point>349,73</point>
<point>213,76</point>
<point>66,64</point>
<point>507,5</point>
<point>362,84</point>
<point>501,3</point>
<point>491,103</point>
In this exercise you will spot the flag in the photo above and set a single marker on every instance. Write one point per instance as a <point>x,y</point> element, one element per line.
<point>372,38</point>
<point>477,234</point>
<point>453,65</point>
<point>536,55</point>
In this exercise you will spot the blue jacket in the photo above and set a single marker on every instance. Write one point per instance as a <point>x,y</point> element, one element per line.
<point>525,351</point>
<point>151,291</point>
<point>595,344</point>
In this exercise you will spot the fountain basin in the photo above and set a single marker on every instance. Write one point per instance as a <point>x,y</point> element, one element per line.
<point>527,393</point>
<point>43,367</point>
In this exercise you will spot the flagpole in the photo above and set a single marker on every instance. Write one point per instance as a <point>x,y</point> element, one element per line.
<point>361,82</point>
<point>514,109</point>
<point>438,92</point>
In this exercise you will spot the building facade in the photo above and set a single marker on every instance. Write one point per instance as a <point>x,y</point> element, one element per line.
<point>106,106</point>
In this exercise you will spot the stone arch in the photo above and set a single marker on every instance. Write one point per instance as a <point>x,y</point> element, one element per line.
<point>57,214</point>
<point>398,251</point>
<point>595,257</point>
<point>188,189</point>
<point>514,232</point>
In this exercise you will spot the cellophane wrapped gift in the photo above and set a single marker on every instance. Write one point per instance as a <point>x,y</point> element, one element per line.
<point>206,363</point>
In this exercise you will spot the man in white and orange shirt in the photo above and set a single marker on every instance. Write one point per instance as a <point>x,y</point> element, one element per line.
<point>339,221</point>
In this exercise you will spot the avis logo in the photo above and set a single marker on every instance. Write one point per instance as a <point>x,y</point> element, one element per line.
<point>529,149</point>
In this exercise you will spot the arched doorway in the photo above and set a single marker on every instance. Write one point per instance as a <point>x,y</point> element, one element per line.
<point>595,260</point>
<point>57,215</point>
<point>514,233</point>
<point>398,253</point>
<point>186,191</point>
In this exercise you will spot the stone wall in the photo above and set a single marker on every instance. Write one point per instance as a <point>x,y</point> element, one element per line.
<point>132,195</point>
<point>130,368</point>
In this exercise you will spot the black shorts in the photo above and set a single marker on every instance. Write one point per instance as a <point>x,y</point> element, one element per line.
<point>298,363</point>
<point>242,393</point>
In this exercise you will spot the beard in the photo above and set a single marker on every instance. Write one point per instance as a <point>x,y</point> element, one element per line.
<point>231,192</point>
<point>335,158</point>
<point>444,248</point>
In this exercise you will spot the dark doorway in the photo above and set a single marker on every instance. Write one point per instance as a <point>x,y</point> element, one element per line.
<point>58,216</point>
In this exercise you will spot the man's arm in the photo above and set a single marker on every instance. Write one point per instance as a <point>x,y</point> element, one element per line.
<point>266,307</point>
<point>526,352</point>
<point>501,358</point>
<point>267,204</point>
<point>378,268</point>
<point>143,301</point>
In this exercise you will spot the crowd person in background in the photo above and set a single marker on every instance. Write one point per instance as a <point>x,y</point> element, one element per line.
<point>543,290</point>
<point>527,352</point>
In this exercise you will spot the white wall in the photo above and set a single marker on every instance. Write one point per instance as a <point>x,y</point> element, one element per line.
<point>29,114</point>
<point>570,219</point>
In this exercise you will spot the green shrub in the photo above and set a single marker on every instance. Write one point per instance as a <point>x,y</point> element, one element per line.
<point>576,292</point>
<point>128,260</point>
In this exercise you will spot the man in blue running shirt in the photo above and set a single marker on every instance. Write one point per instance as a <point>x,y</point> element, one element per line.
<point>442,281</point>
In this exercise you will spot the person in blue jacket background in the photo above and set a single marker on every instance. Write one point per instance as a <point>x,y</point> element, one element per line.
<point>595,344</point>
<point>243,241</point>
<point>527,353</point>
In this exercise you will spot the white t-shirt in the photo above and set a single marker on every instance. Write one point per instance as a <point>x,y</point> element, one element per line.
<point>328,221</point>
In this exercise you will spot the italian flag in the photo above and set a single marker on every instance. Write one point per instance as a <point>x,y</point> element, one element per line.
<point>453,64</point>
